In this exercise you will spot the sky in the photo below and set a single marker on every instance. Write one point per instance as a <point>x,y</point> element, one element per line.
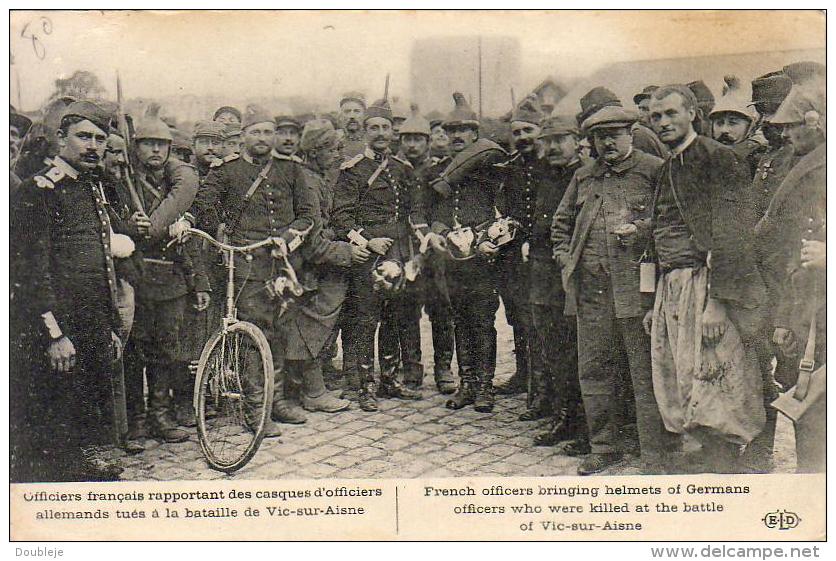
<point>323,54</point>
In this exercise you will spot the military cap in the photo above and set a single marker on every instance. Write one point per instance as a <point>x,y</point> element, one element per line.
<point>287,121</point>
<point>89,111</point>
<point>227,109</point>
<point>212,129</point>
<point>255,114</point>
<point>182,140</point>
<point>802,105</point>
<point>804,71</point>
<point>115,142</point>
<point>701,92</point>
<point>379,108</point>
<point>646,92</point>
<point>610,117</point>
<point>461,114</point>
<point>528,111</point>
<point>400,112</point>
<point>733,102</point>
<point>353,96</point>
<point>771,88</point>
<point>595,99</point>
<point>153,128</point>
<point>317,133</point>
<point>416,124</point>
<point>435,118</point>
<point>20,121</point>
<point>559,125</point>
<point>231,130</point>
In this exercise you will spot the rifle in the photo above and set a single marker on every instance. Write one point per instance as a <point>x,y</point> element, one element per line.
<point>125,131</point>
<point>386,89</point>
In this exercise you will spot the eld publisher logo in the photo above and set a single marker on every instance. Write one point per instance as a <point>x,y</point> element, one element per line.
<point>781,520</point>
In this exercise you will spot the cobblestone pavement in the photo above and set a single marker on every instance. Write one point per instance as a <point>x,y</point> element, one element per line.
<point>404,439</point>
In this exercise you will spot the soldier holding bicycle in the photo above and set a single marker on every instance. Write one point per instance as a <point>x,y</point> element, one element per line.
<point>258,196</point>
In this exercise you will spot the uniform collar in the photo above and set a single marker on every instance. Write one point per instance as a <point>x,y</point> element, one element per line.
<point>682,146</point>
<point>68,170</point>
<point>291,158</point>
<point>249,159</point>
<point>372,155</point>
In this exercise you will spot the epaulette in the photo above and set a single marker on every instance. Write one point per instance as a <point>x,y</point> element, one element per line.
<point>404,162</point>
<point>225,160</point>
<point>291,158</point>
<point>352,162</point>
<point>50,178</point>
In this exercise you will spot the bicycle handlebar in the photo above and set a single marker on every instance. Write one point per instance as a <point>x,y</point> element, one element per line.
<point>221,245</point>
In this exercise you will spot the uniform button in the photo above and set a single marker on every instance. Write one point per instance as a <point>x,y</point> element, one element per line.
<point>608,174</point>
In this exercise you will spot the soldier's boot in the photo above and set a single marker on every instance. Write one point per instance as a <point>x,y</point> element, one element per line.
<point>540,403</point>
<point>137,428</point>
<point>366,387</point>
<point>518,382</point>
<point>315,394</point>
<point>287,406</point>
<point>443,375</point>
<point>161,423</point>
<point>389,385</point>
<point>484,401</point>
<point>332,375</point>
<point>562,429</point>
<point>413,377</point>
<point>184,396</point>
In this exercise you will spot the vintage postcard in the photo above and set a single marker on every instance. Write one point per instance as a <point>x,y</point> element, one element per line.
<point>417,275</point>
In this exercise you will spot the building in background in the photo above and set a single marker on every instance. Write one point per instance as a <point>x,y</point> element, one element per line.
<point>440,66</point>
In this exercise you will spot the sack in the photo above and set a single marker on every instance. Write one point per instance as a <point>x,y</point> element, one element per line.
<point>795,403</point>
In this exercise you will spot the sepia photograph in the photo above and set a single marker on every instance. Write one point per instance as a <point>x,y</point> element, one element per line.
<point>324,246</point>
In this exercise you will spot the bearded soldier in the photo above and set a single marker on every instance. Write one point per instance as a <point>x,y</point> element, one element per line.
<point>733,123</point>
<point>352,109</point>
<point>261,195</point>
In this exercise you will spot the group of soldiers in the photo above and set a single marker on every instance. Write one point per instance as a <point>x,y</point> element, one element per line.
<point>660,266</point>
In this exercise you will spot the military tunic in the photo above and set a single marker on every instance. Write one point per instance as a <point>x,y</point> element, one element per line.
<point>469,202</point>
<point>554,357</point>
<point>373,196</point>
<point>256,201</point>
<point>61,264</point>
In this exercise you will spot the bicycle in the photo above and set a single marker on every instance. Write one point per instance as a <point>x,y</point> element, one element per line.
<point>230,425</point>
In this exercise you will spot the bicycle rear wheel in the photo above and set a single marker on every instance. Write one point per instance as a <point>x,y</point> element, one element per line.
<point>233,395</point>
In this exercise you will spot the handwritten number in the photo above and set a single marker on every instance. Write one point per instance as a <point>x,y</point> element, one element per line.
<point>37,44</point>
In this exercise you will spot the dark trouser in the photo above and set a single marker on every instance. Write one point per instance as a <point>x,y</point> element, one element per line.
<point>514,278</point>
<point>474,302</point>
<point>156,347</point>
<point>441,321</point>
<point>255,306</point>
<point>400,335</point>
<point>555,360</point>
<point>53,416</point>
<point>361,314</point>
<point>601,338</point>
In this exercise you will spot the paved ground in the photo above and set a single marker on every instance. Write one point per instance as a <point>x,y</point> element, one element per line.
<point>403,439</point>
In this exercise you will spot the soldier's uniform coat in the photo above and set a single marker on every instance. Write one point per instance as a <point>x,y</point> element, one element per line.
<point>60,263</point>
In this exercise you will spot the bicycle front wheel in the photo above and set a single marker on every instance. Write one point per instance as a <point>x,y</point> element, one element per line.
<point>233,395</point>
